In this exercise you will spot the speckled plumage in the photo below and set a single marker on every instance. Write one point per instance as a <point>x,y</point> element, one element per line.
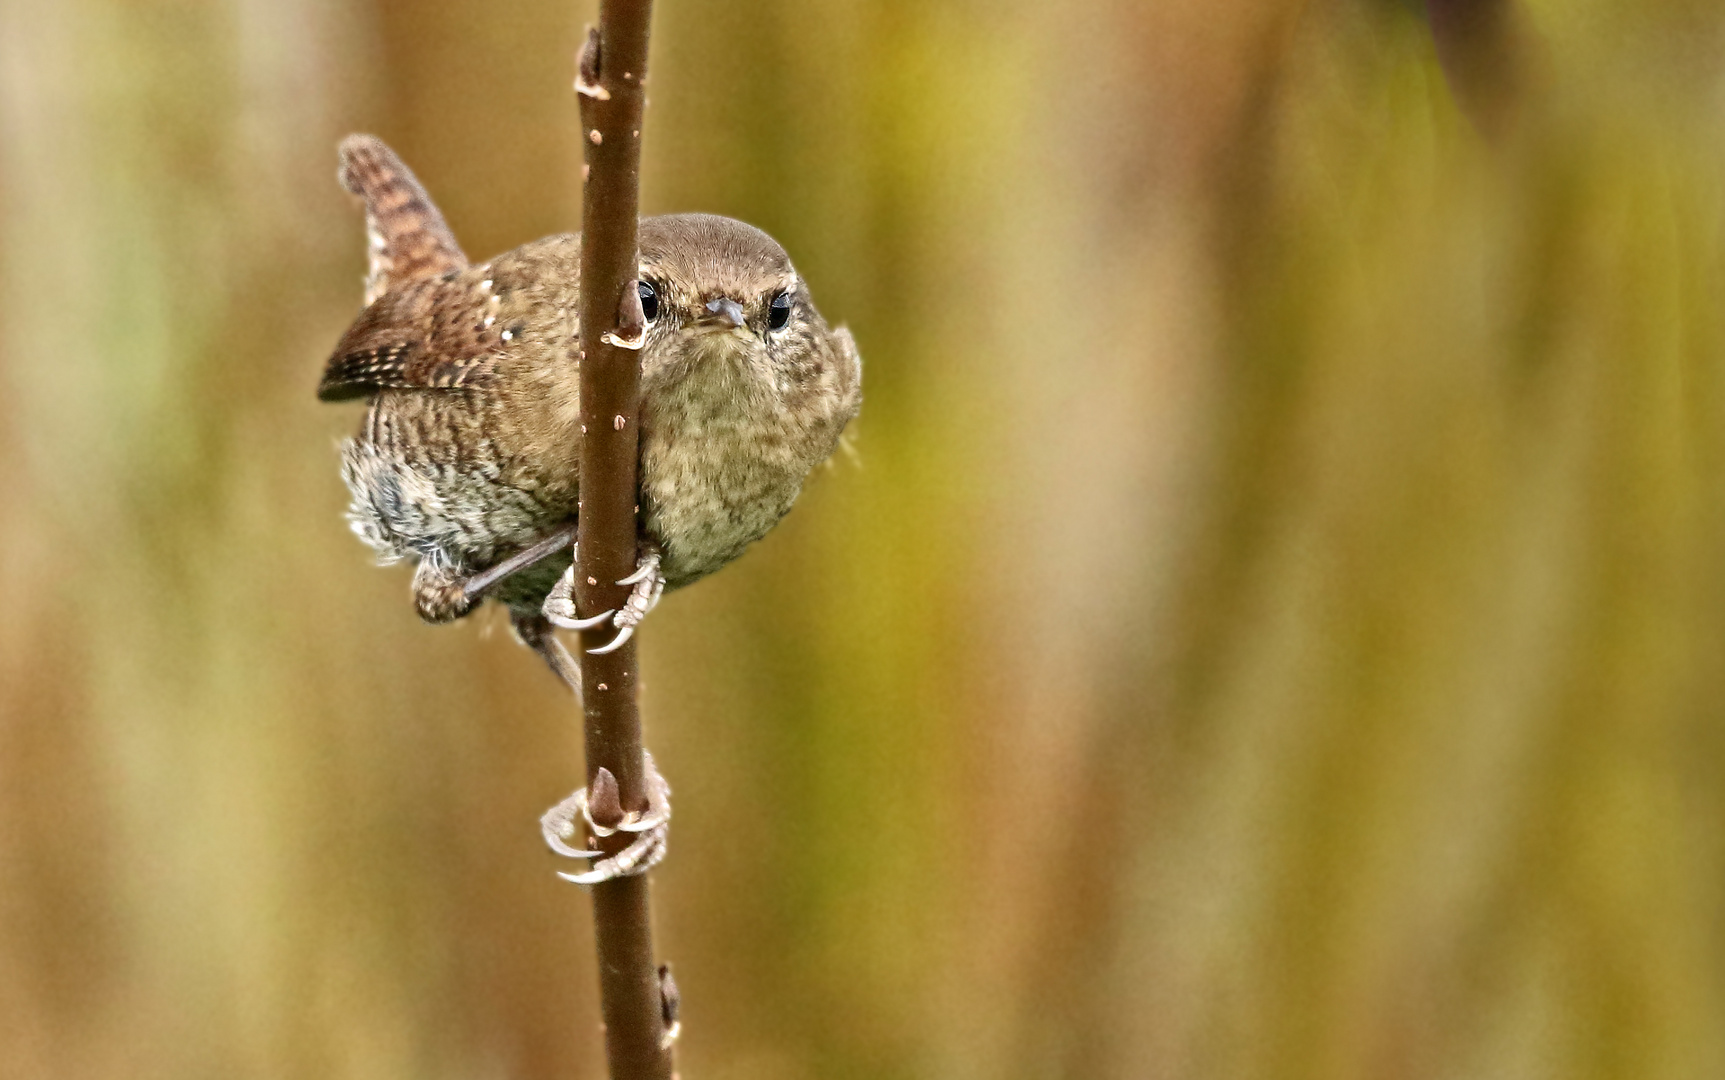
<point>469,451</point>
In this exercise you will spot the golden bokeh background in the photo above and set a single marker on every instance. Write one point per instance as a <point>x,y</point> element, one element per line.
<point>1272,625</point>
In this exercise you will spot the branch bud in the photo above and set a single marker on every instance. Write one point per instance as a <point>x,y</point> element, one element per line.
<point>605,800</point>
<point>631,332</point>
<point>587,68</point>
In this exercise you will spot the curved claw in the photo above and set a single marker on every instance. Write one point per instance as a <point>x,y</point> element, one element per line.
<point>559,823</point>
<point>646,570</point>
<point>615,643</point>
<point>557,845</point>
<point>639,857</point>
<point>581,624</point>
<point>651,826</point>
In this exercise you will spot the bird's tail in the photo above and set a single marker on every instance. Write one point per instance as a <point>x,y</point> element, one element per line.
<point>408,237</point>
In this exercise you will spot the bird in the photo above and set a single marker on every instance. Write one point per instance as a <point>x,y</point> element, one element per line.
<point>467,460</point>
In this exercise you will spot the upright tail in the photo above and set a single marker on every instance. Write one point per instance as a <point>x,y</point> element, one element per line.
<point>408,237</point>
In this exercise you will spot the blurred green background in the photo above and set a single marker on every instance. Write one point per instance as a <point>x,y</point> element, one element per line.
<point>1272,625</point>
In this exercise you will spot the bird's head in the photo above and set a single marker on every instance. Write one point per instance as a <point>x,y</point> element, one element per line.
<point>724,304</point>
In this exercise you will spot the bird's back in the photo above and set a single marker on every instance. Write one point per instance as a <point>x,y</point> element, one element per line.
<point>466,451</point>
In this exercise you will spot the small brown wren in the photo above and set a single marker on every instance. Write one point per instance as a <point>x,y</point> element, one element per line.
<point>468,459</point>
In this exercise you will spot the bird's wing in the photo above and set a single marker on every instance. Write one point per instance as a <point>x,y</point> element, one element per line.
<point>409,240</point>
<point>430,335</point>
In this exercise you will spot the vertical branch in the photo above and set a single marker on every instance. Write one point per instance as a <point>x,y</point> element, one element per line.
<point>611,74</point>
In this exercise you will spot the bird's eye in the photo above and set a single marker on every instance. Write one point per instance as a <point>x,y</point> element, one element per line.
<point>649,300</point>
<point>780,312</point>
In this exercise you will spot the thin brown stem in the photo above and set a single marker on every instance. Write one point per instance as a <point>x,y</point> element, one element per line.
<point>611,75</point>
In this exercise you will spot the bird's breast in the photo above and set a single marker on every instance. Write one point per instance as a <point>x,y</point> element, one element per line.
<point>716,475</point>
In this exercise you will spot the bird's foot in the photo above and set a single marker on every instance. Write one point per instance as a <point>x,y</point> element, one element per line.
<point>600,810</point>
<point>442,593</point>
<point>439,594</point>
<point>649,585</point>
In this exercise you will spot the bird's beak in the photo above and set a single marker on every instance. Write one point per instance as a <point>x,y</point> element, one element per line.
<point>723,314</point>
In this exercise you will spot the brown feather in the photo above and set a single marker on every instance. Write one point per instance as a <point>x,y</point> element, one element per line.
<point>469,451</point>
<point>409,238</point>
<point>429,335</point>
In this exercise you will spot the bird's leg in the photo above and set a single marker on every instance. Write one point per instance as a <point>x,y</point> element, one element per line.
<point>476,585</point>
<point>441,594</point>
<point>600,810</point>
<point>534,631</point>
<point>649,585</point>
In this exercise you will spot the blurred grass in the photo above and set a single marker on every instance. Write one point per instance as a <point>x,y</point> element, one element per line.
<point>1272,627</point>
